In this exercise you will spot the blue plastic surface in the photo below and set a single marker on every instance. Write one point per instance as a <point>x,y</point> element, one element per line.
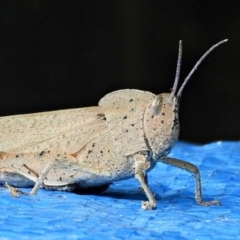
<point>117,213</point>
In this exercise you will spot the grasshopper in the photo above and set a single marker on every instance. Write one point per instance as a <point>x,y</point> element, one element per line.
<point>86,148</point>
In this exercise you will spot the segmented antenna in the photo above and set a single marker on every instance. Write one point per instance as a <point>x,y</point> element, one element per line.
<point>197,64</point>
<point>177,70</point>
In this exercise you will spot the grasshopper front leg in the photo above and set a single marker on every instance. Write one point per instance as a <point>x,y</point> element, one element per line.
<point>194,170</point>
<point>142,164</point>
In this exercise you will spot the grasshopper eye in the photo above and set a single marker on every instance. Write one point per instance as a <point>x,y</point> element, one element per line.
<point>156,106</point>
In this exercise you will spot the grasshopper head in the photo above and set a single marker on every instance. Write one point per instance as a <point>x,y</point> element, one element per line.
<point>161,125</point>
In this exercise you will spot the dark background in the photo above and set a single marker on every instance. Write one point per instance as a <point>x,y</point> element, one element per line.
<point>67,54</point>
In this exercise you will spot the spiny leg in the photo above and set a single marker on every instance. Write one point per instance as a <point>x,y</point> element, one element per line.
<point>194,170</point>
<point>42,176</point>
<point>14,191</point>
<point>36,167</point>
<point>141,164</point>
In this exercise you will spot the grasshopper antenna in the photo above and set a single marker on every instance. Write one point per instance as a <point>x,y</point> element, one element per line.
<point>177,70</point>
<point>196,66</point>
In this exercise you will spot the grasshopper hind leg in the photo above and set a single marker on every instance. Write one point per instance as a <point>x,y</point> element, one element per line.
<point>61,174</point>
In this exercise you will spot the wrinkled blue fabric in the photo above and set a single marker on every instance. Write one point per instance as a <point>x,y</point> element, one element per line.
<point>117,213</point>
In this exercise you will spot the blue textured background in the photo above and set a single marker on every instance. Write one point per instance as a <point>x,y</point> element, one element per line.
<point>116,213</point>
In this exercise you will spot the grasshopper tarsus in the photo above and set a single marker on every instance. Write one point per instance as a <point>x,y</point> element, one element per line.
<point>209,204</point>
<point>14,191</point>
<point>147,205</point>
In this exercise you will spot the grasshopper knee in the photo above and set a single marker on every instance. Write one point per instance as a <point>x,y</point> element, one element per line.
<point>192,169</point>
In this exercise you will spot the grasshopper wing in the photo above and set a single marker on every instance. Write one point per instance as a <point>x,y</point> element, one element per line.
<point>59,131</point>
<point>29,142</point>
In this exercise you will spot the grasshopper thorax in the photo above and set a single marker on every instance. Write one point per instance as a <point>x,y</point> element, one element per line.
<point>161,125</point>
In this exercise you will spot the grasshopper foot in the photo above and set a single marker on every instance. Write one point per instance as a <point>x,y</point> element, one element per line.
<point>211,203</point>
<point>146,205</point>
<point>14,191</point>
